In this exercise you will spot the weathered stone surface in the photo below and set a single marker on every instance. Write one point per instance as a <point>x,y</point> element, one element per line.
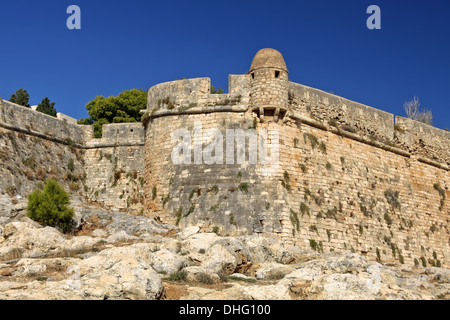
<point>34,240</point>
<point>273,270</point>
<point>29,268</point>
<point>137,271</point>
<point>263,249</point>
<point>79,243</point>
<point>227,255</point>
<point>98,233</point>
<point>126,278</point>
<point>120,236</point>
<point>269,292</point>
<point>242,277</point>
<point>194,272</point>
<point>199,242</point>
<point>187,232</point>
<point>220,260</point>
<point>343,287</point>
<point>41,263</point>
<point>240,292</point>
<point>438,274</point>
<point>164,261</point>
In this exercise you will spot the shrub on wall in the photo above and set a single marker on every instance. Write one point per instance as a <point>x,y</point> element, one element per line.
<point>50,206</point>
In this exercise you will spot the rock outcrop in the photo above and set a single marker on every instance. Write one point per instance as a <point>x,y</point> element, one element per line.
<point>148,260</point>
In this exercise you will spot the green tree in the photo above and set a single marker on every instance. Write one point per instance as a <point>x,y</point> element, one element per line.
<point>125,107</point>
<point>21,97</point>
<point>47,107</point>
<point>214,90</point>
<point>50,206</point>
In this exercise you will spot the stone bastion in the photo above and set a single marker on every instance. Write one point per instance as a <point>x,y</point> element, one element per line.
<point>348,176</point>
<point>268,157</point>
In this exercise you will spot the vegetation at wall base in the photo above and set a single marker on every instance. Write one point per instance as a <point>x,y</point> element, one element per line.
<point>50,206</point>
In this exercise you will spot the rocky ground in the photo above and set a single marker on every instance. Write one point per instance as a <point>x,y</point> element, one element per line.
<point>114,255</point>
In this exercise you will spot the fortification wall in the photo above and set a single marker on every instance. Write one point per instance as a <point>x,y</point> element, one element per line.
<point>348,177</point>
<point>66,118</point>
<point>194,94</point>
<point>239,84</point>
<point>330,192</point>
<point>375,125</point>
<point>209,196</point>
<point>35,147</point>
<point>116,166</point>
<point>423,140</point>
<point>345,194</point>
<point>336,111</point>
<point>28,121</point>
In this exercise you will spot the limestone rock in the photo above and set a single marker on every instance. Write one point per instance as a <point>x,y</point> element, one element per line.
<point>123,271</point>
<point>262,249</point>
<point>173,245</point>
<point>78,243</point>
<point>199,242</point>
<point>120,236</point>
<point>29,267</point>
<point>164,261</point>
<point>35,240</point>
<point>127,278</point>
<point>194,272</point>
<point>438,274</point>
<point>99,233</point>
<point>10,253</point>
<point>219,260</point>
<point>294,255</point>
<point>269,292</point>
<point>106,258</point>
<point>242,277</point>
<point>237,249</point>
<point>273,270</point>
<point>135,225</point>
<point>187,232</point>
<point>241,292</point>
<point>343,287</point>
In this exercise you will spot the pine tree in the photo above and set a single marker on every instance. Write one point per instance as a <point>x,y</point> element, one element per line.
<point>50,206</point>
<point>47,107</point>
<point>21,97</point>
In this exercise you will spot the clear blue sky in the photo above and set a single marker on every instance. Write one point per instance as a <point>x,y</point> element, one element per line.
<point>140,43</point>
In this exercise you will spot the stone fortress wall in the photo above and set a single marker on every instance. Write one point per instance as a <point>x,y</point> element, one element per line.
<point>35,147</point>
<point>350,177</point>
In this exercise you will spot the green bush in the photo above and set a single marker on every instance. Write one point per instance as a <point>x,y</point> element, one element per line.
<point>50,206</point>
<point>178,276</point>
<point>243,187</point>
<point>204,278</point>
<point>378,255</point>
<point>71,165</point>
